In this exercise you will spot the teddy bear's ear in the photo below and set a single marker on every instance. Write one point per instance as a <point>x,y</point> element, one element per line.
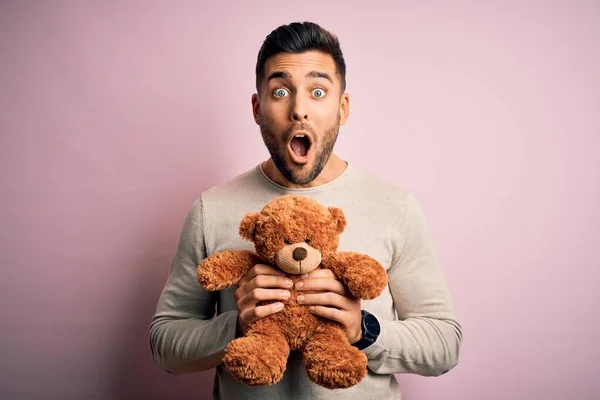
<point>248,225</point>
<point>338,217</point>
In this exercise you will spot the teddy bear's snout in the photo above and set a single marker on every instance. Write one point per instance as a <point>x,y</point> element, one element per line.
<point>298,258</point>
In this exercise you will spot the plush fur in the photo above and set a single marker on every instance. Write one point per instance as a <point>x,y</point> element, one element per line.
<point>298,235</point>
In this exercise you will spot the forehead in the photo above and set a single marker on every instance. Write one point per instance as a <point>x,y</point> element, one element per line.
<point>297,65</point>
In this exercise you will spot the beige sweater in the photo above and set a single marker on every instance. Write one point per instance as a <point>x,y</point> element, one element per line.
<point>419,330</point>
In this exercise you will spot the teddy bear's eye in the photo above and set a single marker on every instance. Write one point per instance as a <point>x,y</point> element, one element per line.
<point>307,240</point>
<point>287,241</point>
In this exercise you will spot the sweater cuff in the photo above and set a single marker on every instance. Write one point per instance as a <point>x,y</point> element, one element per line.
<point>376,353</point>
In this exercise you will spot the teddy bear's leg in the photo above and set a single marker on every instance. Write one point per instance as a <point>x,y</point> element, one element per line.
<point>331,361</point>
<point>260,357</point>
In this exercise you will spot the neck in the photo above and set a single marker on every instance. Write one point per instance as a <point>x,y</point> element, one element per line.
<point>334,168</point>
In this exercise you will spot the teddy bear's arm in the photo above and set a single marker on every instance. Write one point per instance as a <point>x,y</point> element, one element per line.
<point>364,276</point>
<point>225,269</point>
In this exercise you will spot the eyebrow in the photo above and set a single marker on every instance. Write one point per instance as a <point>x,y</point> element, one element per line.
<point>311,74</point>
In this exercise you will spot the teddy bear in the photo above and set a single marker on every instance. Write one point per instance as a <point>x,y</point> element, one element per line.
<point>298,235</point>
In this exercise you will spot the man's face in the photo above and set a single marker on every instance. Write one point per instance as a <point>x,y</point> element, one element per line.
<point>300,108</point>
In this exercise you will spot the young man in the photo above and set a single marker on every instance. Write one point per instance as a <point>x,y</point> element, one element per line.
<point>410,328</point>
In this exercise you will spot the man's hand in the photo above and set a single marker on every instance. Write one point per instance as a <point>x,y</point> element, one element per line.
<point>334,303</point>
<point>261,282</point>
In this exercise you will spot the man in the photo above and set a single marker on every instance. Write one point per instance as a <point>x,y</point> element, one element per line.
<point>410,328</point>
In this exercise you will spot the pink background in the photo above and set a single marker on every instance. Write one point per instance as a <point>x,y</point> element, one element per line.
<point>114,116</point>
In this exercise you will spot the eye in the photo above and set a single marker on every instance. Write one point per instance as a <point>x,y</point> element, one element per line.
<point>280,92</point>
<point>318,93</point>
<point>287,241</point>
<point>307,240</point>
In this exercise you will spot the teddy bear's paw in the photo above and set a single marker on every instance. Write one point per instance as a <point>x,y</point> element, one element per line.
<point>367,289</point>
<point>256,362</point>
<point>208,282</point>
<point>367,283</point>
<point>337,368</point>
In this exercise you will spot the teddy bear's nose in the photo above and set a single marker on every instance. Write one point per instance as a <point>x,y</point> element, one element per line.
<point>299,253</point>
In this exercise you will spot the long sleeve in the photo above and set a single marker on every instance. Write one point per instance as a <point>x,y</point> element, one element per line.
<point>426,338</point>
<point>183,329</point>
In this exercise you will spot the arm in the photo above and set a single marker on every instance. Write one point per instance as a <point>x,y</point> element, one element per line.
<point>184,336</point>
<point>225,269</point>
<point>427,337</point>
<point>363,275</point>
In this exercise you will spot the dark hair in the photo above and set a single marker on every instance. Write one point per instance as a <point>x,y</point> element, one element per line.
<point>299,37</point>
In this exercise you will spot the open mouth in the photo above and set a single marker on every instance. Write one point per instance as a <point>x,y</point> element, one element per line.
<point>299,147</point>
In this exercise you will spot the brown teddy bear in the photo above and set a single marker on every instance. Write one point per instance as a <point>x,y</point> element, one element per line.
<point>298,235</point>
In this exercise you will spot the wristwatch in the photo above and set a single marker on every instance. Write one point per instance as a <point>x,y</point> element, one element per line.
<point>370,330</point>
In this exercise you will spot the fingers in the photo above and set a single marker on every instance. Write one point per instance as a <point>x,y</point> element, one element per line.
<point>260,294</point>
<point>333,314</point>
<point>261,275</point>
<point>322,279</point>
<point>334,302</point>
<point>326,284</point>
<point>250,315</point>
<point>329,299</point>
<point>350,320</point>
<point>261,283</point>
<point>342,309</point>
<point>260,269</point>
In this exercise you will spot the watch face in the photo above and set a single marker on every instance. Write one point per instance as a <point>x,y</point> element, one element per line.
<point>372,325</point>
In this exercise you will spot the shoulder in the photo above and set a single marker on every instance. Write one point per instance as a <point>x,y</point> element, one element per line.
<point>381,192</point>
<point>232,194</point>
<point>223,206</point>
<point>239,184</point>
<point>225,196</point>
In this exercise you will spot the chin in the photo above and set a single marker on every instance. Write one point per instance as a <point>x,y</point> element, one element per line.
<point>301,175</point>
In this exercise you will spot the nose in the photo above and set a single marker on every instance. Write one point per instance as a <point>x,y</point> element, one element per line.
<point>299,253</point>
<point>299,112</point>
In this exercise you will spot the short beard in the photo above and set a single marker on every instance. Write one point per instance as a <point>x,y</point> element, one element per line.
<point>278,148</point>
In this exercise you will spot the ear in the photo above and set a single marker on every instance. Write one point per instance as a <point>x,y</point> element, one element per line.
<point>248,226</point>
<point>256,108</point>
<point>338,217</point>
<point>344,108</point>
